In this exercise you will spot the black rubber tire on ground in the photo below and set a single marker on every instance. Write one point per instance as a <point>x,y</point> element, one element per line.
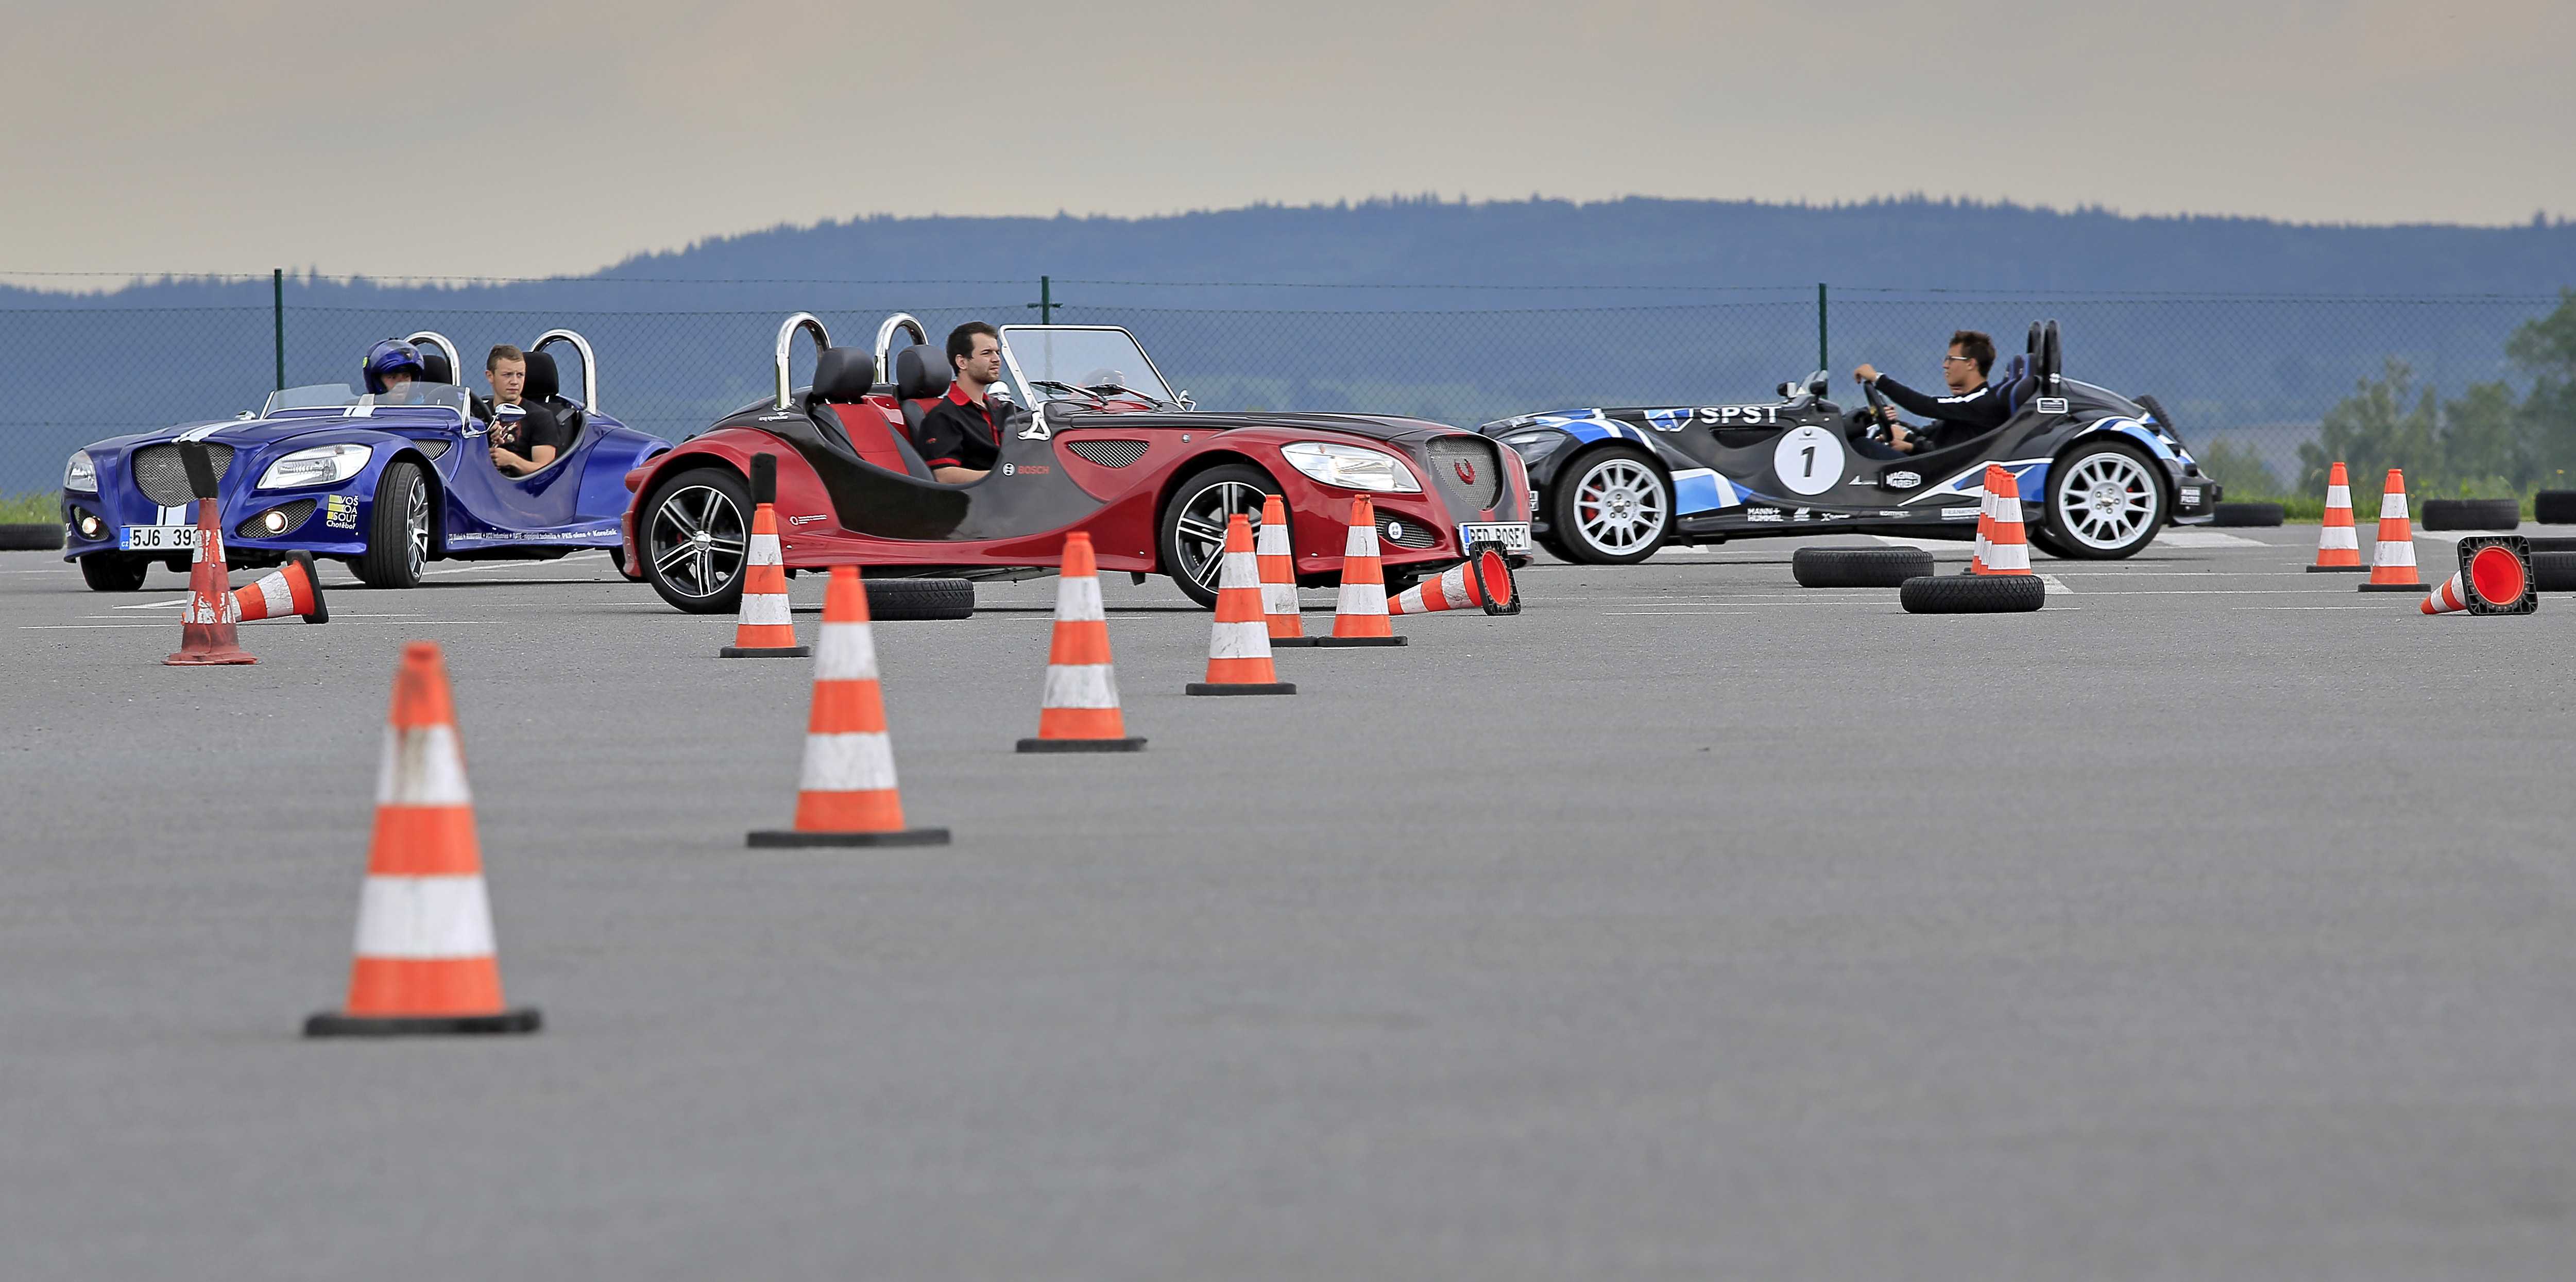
<point>1858,567</point>
<point>724,597</point>
<point>390,560</point>
<point>1561,516</point>
<point>114,571</point>
<point>2553,571</point>
<point>900,600</point>
<point>31,538</point>
<point>2554,507</point>
<point>2246,514</point>
<point>2472,514</point>
<point>2544,543</point>
<point>1167,523</point>
<point>1972,594</point>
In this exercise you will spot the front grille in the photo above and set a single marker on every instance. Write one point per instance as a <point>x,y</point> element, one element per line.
<point>296,512</point>
<point>1109,453</point>
<point>164,479</point>
<point>1406,533</point>
<point>1473,494</point>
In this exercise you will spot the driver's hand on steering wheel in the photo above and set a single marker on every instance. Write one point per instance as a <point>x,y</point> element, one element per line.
<point>1865,374</point>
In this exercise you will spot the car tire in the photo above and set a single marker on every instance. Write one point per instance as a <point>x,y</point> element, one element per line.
<point>46,537</point>
<point>901,600</point>
<point>2554,507</point>
<point>2245,515</point>
<point>1858,567</point>
<point>712,499</point>
<point>114,571</point>
<point>1972,594</point>
<point>399,529</point>
<point>1635,516</point>
<point>2082,481</point>
<point>2553,571</point>
<point>1209,495</point>
<point>1553,546</point>
<point>2472,514</point>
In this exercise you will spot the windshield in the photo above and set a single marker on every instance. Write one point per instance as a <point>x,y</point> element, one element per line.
<point>1086,358</point>
<point>341,396</point>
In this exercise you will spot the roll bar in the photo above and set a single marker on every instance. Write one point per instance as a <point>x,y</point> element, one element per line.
<point>589,363</point>
<point>786,337</point>
<point>455,359</point>
<point>885,341</point>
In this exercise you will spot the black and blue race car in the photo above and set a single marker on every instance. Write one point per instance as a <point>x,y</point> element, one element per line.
<point>384,482</point>
<point>2099,473</point>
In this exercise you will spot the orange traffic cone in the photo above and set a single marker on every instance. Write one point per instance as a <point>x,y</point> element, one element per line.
<point>1484,581</point>
<point>2338,547</point>
<point>1985,521</point>
<point>1359,613</point>
<point>1276,552</point>
<point>765,629</point>
<point>2494,578</point>
<point>2008,551</point>
<point>290,589</point>
<point>846,795</point>
<point>1239,643</point>
<point>1079,712</point>
<point>425,960</point>
<point>206,633</point>
<point>2392,562</point>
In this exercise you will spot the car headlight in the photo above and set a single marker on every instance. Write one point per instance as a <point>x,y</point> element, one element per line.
<point>79,474</point>
<point>320,465</point>
<point>1352,467</point>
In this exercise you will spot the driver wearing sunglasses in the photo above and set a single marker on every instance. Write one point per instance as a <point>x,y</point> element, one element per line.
<point>1971,409</point>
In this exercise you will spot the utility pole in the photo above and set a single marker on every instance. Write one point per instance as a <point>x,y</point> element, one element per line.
<point>277,318</point>
<point>1823,359</point>
<point>1046,304</point>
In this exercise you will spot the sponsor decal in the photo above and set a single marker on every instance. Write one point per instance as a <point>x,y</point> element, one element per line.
<point>1802,514</point>
<point>781,417</point>
<point>1668,420</point>
<point>1010,469</point>
<point>1740,415</point>
<point>2050,405</point>
<point>1035,469</point>
<point>1904,480</point>
<point>1768,515</point>
<point>1891,511</point>
<point>1466,470</point>
<point>808,519</point>
<point>340,511</point>
<point>2190,495</point>
<point>537,536</point>
<point>1958,514</point>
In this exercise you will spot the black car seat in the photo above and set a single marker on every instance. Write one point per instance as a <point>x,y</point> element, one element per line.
<point>434,367</point>
<point>838,404</point>
<point>921,378</point>
<point>2017,385</point>
<point>545,387</point>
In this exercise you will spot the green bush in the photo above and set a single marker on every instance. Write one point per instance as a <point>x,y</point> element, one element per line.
<point>32,508</point>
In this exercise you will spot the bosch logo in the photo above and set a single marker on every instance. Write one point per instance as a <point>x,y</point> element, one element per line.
<point>1010,469</point>
<point>804,520</point>
<point>1466,470</point>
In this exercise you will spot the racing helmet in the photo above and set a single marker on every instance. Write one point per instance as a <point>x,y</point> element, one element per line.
<point>386,357</point>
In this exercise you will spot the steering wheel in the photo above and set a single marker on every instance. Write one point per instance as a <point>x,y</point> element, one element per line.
<point>1878,408</point>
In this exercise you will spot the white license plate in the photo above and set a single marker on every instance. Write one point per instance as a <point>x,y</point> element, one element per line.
<point>1513,535</point>
<point>2191,496</point>
<point>157,538</point>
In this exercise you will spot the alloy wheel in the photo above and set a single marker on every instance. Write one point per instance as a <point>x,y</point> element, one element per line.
<point>2105,500</point>
<point>1619,505</point>
<point>1202,522</point>
<point>697,540</point>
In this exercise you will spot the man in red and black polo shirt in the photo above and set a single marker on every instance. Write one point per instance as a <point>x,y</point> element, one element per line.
<point>961,436</point>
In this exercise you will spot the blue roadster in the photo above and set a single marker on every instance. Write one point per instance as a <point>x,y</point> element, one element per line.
<point>385,482</point>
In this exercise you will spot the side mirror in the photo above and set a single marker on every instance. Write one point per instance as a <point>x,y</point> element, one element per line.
<point>1185,402</point>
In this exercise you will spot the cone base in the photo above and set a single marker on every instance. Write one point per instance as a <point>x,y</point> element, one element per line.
<point>335,1024</point>
<point>1082,745</point>
<point>1242,687</point>
<point>1344,643</point>
<point>2418,589</point>
<point>766,652</point>
<point>2338,569</point>
<point>208,659</point>
<point>790,839</point>
<point>1295,643</point>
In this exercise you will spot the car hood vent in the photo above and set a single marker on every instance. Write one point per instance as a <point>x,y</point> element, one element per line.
<point>1108,453</point>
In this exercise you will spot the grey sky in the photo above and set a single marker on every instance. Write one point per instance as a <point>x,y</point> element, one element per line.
<point>518,138</point>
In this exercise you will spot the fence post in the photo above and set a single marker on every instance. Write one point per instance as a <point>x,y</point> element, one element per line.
<point>277,319</point>
<point>1823,359</point>
<point>1045,306</point>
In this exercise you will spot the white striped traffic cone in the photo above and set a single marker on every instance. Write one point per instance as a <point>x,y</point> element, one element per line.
<point>2338,546</point>
<point>1359,612</point>
<point>2392,562</point>
<point>2494,578</point>
<point>765,629</point>
<point>846,793</point>
<point>1275,550</point>
<point>207,637</point>
<point>1239,640</point>
<point>2008,552</point>
<point>425,957</point>
<point>1079,711</point>
<point>1485,582</point>
<point>1985,521</point>
<point>291,589</point>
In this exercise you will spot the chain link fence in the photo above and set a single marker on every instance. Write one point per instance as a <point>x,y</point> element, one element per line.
<point>2258,373</point>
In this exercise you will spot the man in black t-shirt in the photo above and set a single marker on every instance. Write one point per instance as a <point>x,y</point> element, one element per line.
<point>1971,409</point>
<point>961,437</point>
<point>530,440</point>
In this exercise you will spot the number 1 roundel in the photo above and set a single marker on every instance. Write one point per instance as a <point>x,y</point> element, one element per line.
<point>1808,460</point>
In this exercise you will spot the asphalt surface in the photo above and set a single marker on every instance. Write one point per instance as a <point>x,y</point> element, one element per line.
<point>2213,922</point>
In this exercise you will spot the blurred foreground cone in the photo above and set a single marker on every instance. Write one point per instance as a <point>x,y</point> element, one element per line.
<point>1276,552</point>
<point>1359,613</point>
<point>1079,712</point>
<point>2008,549</point>
<point>206,633</point>
<point>1484,581</point>
<point>425,955</point>
<point>291,589</point>
<point>2392,562</point>
<point>1985,521</point>
<point>1239,640</point>
<point>2494,578</point>
<point>765,629</point>
<point>2338,547</point>
<point>846,794</point>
